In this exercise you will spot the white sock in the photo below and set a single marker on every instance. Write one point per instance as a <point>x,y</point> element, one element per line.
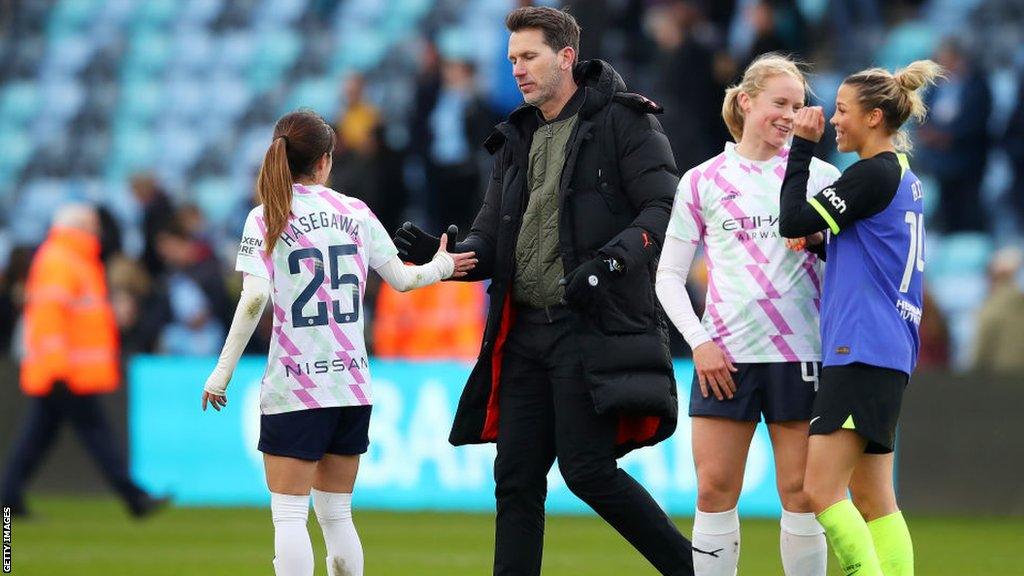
<point>293,552</point>
<point>802,543</point>
<point>716,543</point>
<point>344,551</point>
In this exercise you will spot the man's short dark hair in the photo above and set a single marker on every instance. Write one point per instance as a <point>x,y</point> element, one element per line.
<point>559,27</point>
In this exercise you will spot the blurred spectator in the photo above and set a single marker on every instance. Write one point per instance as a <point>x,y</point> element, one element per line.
<point>1013,143</point>
<point>71,359</point>
<point>358,121</point>
<point>427,88</point>
<point>458,124</point>
<point>140,309</point>
<point>364,165</point>
<point>193,223</point>
<point>157,211</point>
<point>593,16</point>
<point>760,20</point>
<point>935,338</point>
<point>12,295</point>
<point>954,142</point>
<point>195,293</point>
<point>441,321</point>
<point>998,346</point>
<point>856,29</point>
<point>110,233</point>
<point>760,26</point>
<point>685,83</point>
<point>374,175</point>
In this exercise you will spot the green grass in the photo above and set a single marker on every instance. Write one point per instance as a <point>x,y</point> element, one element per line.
<point>84,537</point>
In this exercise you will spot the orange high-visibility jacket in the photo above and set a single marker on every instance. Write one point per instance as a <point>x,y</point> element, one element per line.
<point>70,330</point>
<point>445,320</point>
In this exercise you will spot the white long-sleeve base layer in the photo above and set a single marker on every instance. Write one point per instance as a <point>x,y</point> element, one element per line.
<point>673,268</point>
<point>256,292</point>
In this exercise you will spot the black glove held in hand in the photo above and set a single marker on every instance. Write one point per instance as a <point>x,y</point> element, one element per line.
<point>417,247</point>
<point>585,285</point>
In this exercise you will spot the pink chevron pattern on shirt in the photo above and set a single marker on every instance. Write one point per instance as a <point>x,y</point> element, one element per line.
<point>694,204</point>
<point>787,353</point>
<point>317,362</point>
<point>730,205</point>
<point>344,345</point>
<point>335,201</point>
<point>763,281</point>
<point>773,314</point>
<point>812,272</point>
<point>762,299</point>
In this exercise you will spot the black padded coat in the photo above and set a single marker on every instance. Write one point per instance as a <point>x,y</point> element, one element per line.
<point>615,198</point>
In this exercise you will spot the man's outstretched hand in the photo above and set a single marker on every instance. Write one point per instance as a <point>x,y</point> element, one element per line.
<point>417,247</point>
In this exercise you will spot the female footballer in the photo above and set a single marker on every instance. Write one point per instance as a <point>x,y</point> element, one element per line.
<point>870,313</point>
<point>757,350</point>
<point>311,248</point>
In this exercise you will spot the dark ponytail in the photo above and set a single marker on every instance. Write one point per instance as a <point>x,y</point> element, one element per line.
<point>301,138</point>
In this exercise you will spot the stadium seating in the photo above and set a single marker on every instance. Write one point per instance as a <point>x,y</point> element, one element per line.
<point>188,90</point>
<point>93,91</point>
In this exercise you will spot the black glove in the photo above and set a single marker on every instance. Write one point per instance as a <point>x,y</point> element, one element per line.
<point>417,247</point>
<point>585,285</point>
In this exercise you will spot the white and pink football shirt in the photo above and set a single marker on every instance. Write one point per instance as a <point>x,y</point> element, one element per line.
<point>318,271</point>
<point>763,300</point>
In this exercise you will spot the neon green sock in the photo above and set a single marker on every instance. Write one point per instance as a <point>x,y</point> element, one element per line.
<point>893,545</point>
<point>850,539</point>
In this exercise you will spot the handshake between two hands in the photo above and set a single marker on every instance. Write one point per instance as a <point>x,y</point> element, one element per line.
<point>582,285</point>
<point>417,247</point>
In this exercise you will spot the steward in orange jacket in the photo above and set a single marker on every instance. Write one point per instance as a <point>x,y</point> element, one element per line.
<point>70,330</point>
<point>71,359</point>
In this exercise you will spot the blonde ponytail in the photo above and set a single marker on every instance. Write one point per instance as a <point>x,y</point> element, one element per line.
<point>732,114</point>
<point>911,79</point>
<point>274,190</point>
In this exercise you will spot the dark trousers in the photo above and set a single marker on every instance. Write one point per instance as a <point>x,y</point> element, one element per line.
<point>547,413</point>
<point>45,416</point>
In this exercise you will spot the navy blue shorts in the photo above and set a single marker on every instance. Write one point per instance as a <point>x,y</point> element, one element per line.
<point>782,391</point>
<point>309,434</point>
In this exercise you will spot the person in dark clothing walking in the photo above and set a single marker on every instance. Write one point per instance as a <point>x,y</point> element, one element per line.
<point>575,363</point>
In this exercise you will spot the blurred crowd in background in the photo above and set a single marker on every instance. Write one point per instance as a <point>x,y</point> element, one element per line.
<point>160,111</point>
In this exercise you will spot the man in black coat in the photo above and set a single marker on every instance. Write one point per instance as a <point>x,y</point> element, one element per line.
<point>575,362</point>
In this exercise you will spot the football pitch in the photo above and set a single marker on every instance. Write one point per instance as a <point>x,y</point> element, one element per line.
<point>94,537</point>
